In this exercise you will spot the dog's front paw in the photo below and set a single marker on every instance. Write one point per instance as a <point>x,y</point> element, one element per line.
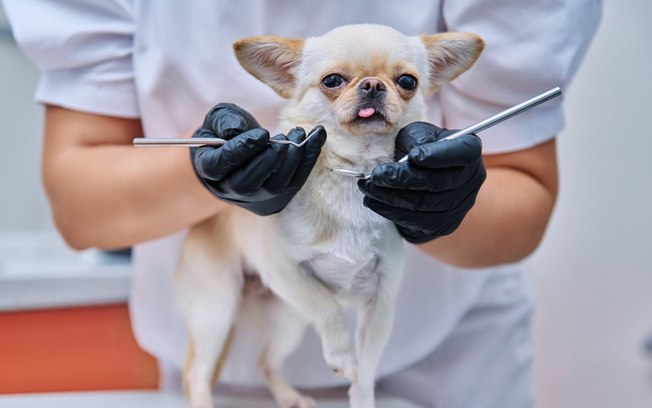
<point>203,401</point>
<point>200,396</point>
<point>361,397</point>
<point>343,363</point>
<point>297,401</point>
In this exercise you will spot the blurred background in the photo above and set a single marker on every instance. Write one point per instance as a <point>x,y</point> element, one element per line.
<point>591,276</point>
<point>64,324</point>
<point>593,273</point>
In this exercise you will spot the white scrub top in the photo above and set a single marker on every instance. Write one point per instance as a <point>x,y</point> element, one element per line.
<point>168,62</point>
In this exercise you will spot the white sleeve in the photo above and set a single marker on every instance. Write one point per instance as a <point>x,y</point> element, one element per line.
<point>530,47</point>
<point>83,49</point>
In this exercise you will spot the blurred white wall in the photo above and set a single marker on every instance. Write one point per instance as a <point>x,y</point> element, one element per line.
<point>22,202</point>
<point>591,276</point>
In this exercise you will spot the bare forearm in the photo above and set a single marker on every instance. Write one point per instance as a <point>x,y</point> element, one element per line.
<point>509,218</point>
<point>505,225</point>
<point>105,193</point>
<point>115,196</point>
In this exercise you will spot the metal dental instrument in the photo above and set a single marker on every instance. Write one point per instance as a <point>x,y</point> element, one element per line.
<point>478,127</point>
<point>202,141</point>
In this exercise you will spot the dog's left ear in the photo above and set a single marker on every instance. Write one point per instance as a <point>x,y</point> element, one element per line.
<point>449,55</point>
<point>273,60</point>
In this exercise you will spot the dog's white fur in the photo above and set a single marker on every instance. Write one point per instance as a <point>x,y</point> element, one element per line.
<point>325,250</point>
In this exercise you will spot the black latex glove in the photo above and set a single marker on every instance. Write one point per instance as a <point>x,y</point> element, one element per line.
<point>429,195</point>
<point>248,171</point>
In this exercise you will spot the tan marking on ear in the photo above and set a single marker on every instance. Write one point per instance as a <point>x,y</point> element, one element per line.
<point>450,54</point>
<point>272,60</point>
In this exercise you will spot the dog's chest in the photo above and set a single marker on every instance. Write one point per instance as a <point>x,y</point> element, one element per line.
<point>347,279</point>
<point>333,235</point>
<point>328,215</point>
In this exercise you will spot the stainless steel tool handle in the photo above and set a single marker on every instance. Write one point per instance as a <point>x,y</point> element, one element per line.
<point>504,115</point>
<point>478,127</point>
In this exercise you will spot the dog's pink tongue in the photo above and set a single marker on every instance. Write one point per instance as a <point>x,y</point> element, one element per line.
<point>366,112</point>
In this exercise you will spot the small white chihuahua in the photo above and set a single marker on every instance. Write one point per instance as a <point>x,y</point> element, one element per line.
<point>325,250</point>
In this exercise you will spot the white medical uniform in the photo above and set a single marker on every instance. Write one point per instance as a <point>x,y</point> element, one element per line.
<point>461,337</point>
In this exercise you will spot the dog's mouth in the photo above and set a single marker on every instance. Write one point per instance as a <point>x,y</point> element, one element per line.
<point>370,116</point>
<point>367,112</point>
<point>367,116</point>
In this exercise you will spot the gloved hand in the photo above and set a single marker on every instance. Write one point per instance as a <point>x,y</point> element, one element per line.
<point>248,171</point>
<point>429,195</point>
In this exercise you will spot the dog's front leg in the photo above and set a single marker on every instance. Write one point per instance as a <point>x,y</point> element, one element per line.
<point>285,330</point>
<point>374,323</point>
<point>317,303</point>
<point>373,329</point>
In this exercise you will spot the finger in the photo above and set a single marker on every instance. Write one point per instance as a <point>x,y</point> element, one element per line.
<point>215,163</point>
<point>417,200</point>
<point>283,174</point>
<point>415,134</point>
<point>310,154</point>
<point>404,176</point>
<point>203,132</point>
<point>251,177</point>
<point>317,139</point>
<point>437,223</point>
<point>297,135</point>
<point>462,151</point>
<point>227,120</point>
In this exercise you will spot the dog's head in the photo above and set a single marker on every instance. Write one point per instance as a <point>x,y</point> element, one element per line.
<point>358,79</point>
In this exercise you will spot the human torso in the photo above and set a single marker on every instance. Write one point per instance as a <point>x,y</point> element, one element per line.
<point>184,64</point>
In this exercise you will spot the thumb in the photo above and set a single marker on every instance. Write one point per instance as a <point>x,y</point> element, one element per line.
<point>416,134</point>
<point>311,151</point>
<point>215,163</point>
<point>462,151</point>
<point>227,120</point>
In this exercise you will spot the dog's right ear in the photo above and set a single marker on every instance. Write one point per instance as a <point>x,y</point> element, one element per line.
<point>273,60</point>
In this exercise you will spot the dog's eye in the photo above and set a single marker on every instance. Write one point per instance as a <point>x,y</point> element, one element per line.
<point>333,81</point>
<point>407,82</point>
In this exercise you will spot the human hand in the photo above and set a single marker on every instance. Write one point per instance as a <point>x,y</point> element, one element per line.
<point>429,195</point>
<point>247,170</point>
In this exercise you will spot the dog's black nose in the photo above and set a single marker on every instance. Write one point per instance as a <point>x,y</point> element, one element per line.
<point>371,87</point>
